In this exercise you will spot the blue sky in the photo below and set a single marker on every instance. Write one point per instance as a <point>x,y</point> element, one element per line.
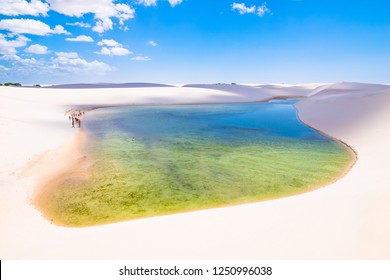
<point>194,41</point>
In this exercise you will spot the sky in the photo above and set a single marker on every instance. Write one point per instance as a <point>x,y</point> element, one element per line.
<point>194,41</point>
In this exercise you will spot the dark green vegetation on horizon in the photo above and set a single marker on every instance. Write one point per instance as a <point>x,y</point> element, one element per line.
<point>11,84</point>
<point>156,161</point>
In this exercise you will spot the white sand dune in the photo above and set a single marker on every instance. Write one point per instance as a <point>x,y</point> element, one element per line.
<point>346,220</point>
<point>299,90</point>
<point>268,91</point>
<point>109,85</point>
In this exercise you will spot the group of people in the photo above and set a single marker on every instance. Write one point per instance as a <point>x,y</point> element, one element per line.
<point>75,117</point>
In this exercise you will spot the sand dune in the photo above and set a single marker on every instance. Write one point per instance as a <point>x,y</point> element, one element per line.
<point>344,106</point>
<point>346,220</point>
<point>266,91</point>
<point>109,85</point>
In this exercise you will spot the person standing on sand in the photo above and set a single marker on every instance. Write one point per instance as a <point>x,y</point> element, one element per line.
<point>78,121</point>
<point>76,118</point>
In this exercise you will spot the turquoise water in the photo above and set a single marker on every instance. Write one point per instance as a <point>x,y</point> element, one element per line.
<point>148,161</point>
<point>230,123</point>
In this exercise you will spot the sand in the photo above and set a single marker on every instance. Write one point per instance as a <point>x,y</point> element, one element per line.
<point>346,220</point>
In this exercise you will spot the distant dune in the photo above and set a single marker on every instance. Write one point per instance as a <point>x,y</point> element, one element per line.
<point>344,106</point>
<point>110,85</point>
<point>348,88</point>
<point>271,91</point>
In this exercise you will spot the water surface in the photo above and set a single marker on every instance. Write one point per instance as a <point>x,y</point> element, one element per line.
<point>147,161</point>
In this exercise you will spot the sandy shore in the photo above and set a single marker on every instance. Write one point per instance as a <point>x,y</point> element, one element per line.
<point>347,220</point>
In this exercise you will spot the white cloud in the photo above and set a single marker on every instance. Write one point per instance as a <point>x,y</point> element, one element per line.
<point>22,7</point>
<point>147,3</point>
<point>78,8</point>
<point>109,43</point>
<point>125,12</point>
<point>243,9</point>
<point>152,43</point>
<point>175,2</point>
<point>59,29</point>
<point>81,38</point>
<point>103,11</point>
<point>3,69</point>
<point>37,49</point>
<point>30,26</point>
<point>9,46</point>
<point>103,25</point>
<point>114,51</point>
<point>63,63</point>
<point>112,47</point>
<point>67,54</point>
<point>72,63</point>
<point>79,24</point>
<point>14,59</point>
<point>23,65</point>
<point>141,58</point>
<point>262,10</point>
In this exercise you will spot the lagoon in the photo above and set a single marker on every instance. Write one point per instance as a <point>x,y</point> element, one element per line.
<point>146,161</point>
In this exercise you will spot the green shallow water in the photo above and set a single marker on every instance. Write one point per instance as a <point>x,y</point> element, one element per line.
<point>148,161</point>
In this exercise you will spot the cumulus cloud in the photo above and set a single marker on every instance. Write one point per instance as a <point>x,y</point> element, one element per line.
<point>112,47</point>
<point>18,61</point>
<point>63,63</point>
<point>79,24</point>
<point>59,29</point>
<point>147,3</point>
<point>37,49</point>
<point>243,9</point>
<point>71,62</point>
<point>175,2</point>
<point>3,68</point>
<point>109,43</point>
<point>80,38</point>
<point>8,47</point>
<point>141,58</point>
<point>30,26</point>
<point>103,11</point>
<point>78,8</point>
<point>23,65</point>
<point>22,7</point>
<point>67,54</point>
<point>125,12</point>
<point>262,10</point>
<point>152,43</point>
<point>114,51</point>
<point>103,25</point>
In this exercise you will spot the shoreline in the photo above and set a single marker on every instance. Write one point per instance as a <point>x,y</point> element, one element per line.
<point>73,162</point>
<point>349,148</point>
